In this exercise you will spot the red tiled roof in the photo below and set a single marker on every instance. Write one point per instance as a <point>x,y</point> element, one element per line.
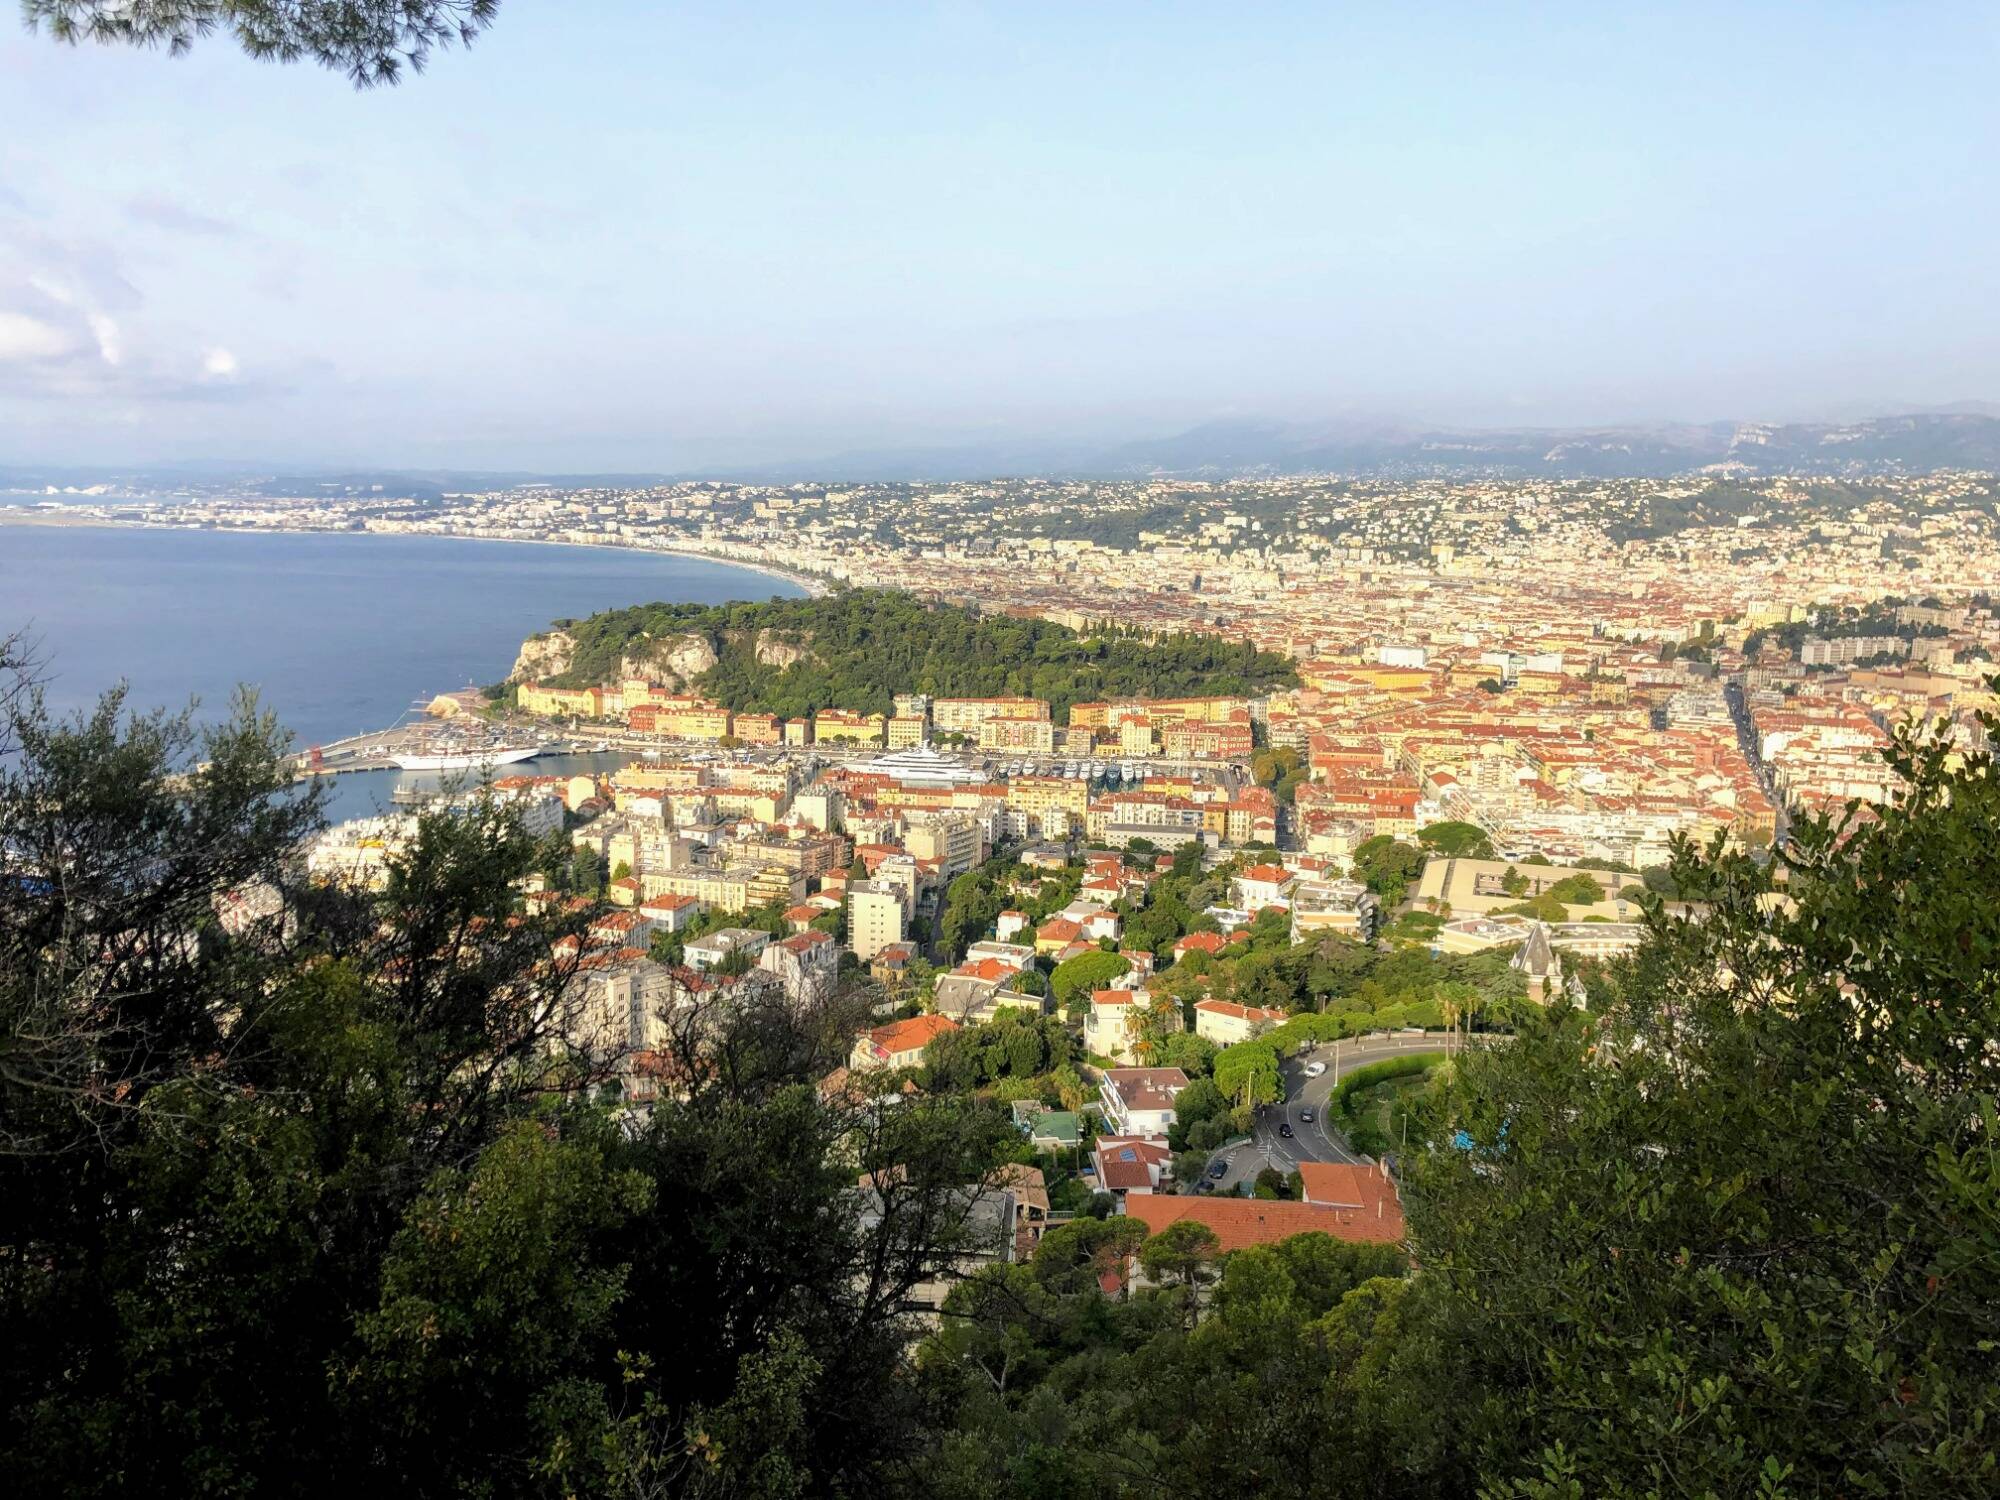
<point>908,1036</point>
<point>1238,1222</point>
<point>1363,1199</point>
<point>1239,1012</point>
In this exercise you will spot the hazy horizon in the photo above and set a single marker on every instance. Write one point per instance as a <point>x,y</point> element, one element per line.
<point>671,239</point>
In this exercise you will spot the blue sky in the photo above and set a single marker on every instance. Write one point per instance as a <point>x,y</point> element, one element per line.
<point>625,235</point>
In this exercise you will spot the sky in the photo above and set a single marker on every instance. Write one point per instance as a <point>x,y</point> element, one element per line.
<point>650,235</point>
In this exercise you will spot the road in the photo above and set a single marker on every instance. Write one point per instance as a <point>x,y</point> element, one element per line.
<point>1315,1140</point>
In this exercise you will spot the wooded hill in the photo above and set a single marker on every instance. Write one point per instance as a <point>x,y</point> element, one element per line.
<point>857,650</point>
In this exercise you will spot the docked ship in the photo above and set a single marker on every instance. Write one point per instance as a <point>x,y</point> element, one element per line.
<point>474,759</point>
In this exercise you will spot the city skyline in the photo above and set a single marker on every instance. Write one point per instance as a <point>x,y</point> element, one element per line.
<point>626,241</point>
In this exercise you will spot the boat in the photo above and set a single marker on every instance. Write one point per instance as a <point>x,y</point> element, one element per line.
<point>466,760</point>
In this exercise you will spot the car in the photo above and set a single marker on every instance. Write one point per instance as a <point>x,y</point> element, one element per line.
<point>1218,1170</point>
<point>1285,1130</point>
<point>1314,1070</point>
<point>1306,1117</point>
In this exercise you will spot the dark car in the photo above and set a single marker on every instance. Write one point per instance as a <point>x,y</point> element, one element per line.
<point>1285,1130</point>
<point>1218,1170</point>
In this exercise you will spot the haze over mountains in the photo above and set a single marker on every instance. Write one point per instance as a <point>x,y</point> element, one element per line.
<point>1964,438</point>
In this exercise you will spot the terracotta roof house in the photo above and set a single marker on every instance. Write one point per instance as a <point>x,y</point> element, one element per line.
<point>1361,1199</point>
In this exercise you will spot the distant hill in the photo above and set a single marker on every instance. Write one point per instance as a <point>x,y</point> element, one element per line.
<point>1917,443</point>
<point>1966,436</point>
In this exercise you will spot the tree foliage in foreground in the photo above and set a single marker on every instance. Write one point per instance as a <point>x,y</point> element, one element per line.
<point>327,1200</point>
<point>372,41</point>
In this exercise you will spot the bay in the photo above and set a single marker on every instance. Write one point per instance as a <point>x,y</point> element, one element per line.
<point>339,633</point>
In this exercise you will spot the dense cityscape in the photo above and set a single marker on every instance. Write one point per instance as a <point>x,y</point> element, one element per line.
<point>999,752</point>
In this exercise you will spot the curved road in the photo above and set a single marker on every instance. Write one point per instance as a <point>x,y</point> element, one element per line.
<point>1314,1141</point>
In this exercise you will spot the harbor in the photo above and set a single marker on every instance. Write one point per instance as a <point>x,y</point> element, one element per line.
<point>446,733</point>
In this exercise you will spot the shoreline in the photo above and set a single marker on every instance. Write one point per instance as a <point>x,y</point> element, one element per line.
<point>21,515</point>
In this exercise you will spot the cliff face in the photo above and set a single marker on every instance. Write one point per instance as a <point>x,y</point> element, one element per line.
<point>543,656</point>
<point>676,659</point>
<point>774,650</point>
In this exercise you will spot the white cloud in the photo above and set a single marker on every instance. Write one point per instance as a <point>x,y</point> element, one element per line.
<point>24,339</point>
<point>219,364</point>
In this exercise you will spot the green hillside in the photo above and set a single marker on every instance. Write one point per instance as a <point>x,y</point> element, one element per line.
<point>861,648</point>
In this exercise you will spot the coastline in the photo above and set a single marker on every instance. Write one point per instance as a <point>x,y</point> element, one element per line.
<point>21,515</point>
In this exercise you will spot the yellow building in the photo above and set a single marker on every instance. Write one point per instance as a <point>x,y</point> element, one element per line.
<point>832,726</point>
<point>1040,796</point>
<point>965,715</point>
<point>1030,735</point>
<point>906,731</point>
<point>722,890</point>
<point>705,722</point>
<point>1135,735</point>
<point>558,702</point>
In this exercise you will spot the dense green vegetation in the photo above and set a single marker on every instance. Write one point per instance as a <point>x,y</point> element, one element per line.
<point>864,646</point>
<point>332,1203</point>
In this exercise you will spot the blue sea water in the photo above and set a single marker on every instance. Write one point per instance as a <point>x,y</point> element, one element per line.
<point>339,633</point>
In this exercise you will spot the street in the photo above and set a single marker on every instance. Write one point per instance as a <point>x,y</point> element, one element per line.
<point>1315,1140</point>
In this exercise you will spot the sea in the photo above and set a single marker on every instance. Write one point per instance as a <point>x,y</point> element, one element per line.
<point>338,633</point>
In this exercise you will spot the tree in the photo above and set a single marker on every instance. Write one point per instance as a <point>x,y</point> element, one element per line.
<point>314,1179</point>
<point>1084,973</point>
<point>1577,890</point>
<point>1193,1055</point>
<point>1247,1073</point>
<point>1456,840</point>
<point>1775,1159</point>
<point>1387,866</point>
<point>1183,1253</point>
<point>372,41</point>
<point>1270,1183</point>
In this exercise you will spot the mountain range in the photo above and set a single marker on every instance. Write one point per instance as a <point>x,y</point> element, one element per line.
<point>1920,442</point>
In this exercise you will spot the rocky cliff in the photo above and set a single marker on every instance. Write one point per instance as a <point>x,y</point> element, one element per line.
<point>543,656</point>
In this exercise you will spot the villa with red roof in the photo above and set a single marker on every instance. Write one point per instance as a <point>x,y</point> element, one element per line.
<point>1226,1023</point>
<point>900,1044</point>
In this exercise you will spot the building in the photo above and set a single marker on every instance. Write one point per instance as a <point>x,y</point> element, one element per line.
<point>875,918</point>
<point>1032,736</point>
<point>965,715</point>
<point>836,726</point>
<point>900,1044</point>
<point>718,947</point>
<point>1264,885</point>
<point>1129,1164</point>
<point>1363,1200</point>
<point>955,841</point>
<point>622,1002</point>
<point>806,963</point>
<point>1346,907</point>
<point>1239,1223</point>
<point>1140,1101</point>
<point>1226,1023</point>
